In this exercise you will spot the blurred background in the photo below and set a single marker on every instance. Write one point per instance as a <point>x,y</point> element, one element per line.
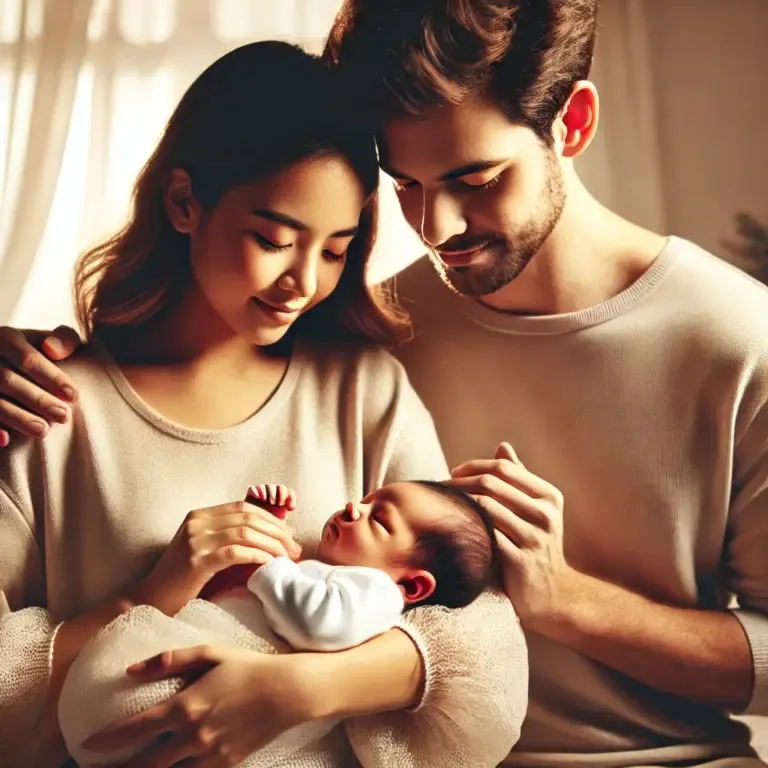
<point>86,86</point>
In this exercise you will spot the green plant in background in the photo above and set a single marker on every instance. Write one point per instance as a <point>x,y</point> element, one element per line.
<point>750,251</point>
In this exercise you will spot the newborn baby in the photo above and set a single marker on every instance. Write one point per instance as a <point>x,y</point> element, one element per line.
<point>407,544</point>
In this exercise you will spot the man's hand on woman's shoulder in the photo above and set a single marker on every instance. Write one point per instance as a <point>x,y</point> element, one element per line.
<point>34,393</point>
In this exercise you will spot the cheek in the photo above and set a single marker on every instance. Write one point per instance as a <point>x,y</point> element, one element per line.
<point>328,278</point>
<point>412,206</point>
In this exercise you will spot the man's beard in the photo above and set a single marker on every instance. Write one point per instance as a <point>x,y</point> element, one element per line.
<point>505,258</point>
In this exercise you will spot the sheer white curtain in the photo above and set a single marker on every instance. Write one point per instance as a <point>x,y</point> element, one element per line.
<point>85,89</point>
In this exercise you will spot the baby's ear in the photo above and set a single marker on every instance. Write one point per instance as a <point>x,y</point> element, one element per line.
<point>416,586</point>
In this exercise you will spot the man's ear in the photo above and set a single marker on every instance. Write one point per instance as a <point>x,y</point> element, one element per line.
<point>416,586</point>
<point>180,204</point>
<point>576,124</point>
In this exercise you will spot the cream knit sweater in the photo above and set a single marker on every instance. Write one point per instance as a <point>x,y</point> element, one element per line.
<point>649,413</point>
<point>87,511</point>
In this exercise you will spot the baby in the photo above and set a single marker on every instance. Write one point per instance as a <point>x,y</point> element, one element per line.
<point>404,545</point>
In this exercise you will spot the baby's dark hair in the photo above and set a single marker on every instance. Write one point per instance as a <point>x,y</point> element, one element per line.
<point>460,552</point>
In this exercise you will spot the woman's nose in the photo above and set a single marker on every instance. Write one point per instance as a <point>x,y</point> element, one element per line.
<point>303,275</point>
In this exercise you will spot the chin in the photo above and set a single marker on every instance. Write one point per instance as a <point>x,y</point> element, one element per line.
<point>264,337</point>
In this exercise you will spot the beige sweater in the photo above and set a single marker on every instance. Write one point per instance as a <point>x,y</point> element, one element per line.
<point>648,412</point>
<point>87,511</point>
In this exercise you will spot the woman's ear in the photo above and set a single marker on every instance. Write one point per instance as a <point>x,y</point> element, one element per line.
<point>180,204</point>
<point>416,586</point>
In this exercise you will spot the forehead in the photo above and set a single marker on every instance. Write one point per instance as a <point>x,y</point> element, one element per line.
<point>415,505</point>
<point>323,192</point>
<point>451,136</point>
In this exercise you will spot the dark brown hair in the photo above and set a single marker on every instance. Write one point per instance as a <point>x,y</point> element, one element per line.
<point>460,552</point>
<point>408,56</point>
<point>256,110</point>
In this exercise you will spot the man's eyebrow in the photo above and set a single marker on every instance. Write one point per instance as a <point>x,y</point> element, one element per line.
<point>299,226</point>
<point>454,173</point>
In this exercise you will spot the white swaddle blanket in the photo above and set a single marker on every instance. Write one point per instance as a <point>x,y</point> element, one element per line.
<point>311,604</point>
<point>97,692</point>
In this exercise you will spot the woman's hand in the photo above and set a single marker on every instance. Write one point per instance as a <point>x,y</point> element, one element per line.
<point>240,701</point>
<point>34,393</point>
<point>208,541</point>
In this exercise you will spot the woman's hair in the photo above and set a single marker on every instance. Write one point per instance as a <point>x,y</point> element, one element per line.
<point>411,56</point>
<point>460,551</point>
<point>255,111</point>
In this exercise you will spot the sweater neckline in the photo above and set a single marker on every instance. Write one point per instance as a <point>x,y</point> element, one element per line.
<point>279,396</point>
<point>584,318</point>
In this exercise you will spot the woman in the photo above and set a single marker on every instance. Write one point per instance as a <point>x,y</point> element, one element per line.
<point>232,340</point>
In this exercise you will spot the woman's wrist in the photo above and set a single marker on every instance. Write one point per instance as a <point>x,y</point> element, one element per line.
<point>384,674</point>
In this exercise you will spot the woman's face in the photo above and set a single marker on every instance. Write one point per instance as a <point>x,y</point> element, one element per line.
<point>271,250</point>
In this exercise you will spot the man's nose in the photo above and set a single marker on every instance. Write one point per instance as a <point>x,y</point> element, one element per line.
<point>441,218</point>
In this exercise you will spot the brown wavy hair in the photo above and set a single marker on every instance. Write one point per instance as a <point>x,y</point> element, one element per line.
<point>259,108</point>
<point>403,58</point>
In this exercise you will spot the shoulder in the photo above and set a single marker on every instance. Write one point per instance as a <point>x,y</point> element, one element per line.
<point>25,460</point>
<point>716,298</point>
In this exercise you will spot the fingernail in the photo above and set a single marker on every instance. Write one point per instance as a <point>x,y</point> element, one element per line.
<point>60,414</point>
<point>69,393</point>
<point>53,345</point>
<point>37,428</point>
<point>5,438</point>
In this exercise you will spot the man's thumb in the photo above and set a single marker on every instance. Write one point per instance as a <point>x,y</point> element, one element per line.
<point>62,343</point>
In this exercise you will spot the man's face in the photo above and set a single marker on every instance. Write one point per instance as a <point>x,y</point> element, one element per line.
<point>484,193</point>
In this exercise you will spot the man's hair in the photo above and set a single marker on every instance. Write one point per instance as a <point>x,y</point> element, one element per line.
<point>407,56</point>
<point>460,551</point>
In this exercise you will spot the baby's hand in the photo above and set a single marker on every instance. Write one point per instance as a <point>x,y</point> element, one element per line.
<point>277,499</point>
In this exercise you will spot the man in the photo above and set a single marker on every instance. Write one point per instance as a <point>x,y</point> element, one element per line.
<point>627,370</point>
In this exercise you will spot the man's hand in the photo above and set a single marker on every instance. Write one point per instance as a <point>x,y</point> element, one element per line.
<point>528,514</point>
<point>700,655</point>
<point>34,393</point>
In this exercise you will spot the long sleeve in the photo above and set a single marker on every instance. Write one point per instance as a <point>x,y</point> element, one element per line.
<point>27,632</point>
<point>475,658</point>
<point>746,564</point>
<point>318,607</point>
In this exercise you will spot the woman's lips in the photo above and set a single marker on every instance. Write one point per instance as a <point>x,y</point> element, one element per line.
<point>279,313</point>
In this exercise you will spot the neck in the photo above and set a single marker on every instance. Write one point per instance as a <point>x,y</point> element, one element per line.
<point>192,337</point>
<point>592,255</point>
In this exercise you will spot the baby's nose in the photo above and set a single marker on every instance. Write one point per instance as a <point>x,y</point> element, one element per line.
<point>351,514</point>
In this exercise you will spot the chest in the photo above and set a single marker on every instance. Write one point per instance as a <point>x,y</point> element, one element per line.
<point>635,441</point>
<point>112,510</point>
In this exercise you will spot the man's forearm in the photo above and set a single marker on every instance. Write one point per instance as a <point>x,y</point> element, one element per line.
<point>384,674</point>
<point>699,655</point>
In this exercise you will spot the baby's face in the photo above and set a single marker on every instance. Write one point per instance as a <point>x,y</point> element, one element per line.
<point>381,530</point>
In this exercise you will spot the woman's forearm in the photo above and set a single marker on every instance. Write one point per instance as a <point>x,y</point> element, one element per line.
<point>384,674</point>
<point>70,638</point>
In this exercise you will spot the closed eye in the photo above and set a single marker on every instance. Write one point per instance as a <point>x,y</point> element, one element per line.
<point>268,245</point>
<point>402,185</point>
<point>475,185</point>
